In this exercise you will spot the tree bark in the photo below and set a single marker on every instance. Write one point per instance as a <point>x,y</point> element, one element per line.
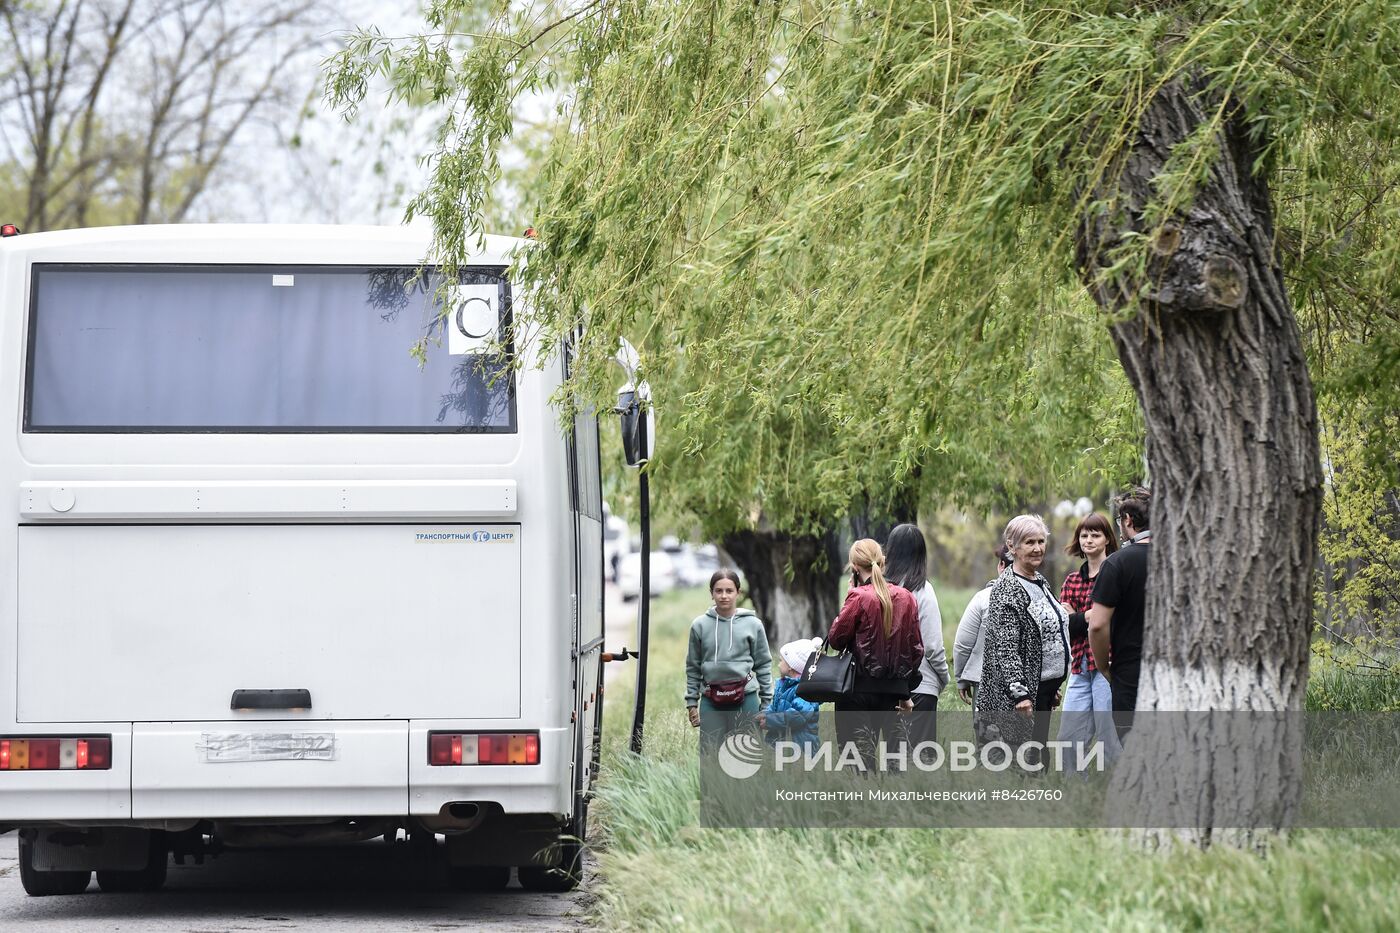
<point>794,608</point>
<point>1208,340</point>
<point>877,519</point>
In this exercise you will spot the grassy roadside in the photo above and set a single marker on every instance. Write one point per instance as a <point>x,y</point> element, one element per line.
<point>661,870</point>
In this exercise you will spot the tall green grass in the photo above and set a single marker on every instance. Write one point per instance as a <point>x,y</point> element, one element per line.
<point>661,870</point>
<point>1353,681</point>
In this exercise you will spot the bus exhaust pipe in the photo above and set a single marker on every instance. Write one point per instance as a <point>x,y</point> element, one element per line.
<point>457,816</point>
<point>463,811</point>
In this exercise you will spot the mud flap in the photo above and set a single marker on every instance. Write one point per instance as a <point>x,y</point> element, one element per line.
<point>105,849</point>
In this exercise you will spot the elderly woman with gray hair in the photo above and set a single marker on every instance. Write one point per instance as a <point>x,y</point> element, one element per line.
<point>1026,655</point>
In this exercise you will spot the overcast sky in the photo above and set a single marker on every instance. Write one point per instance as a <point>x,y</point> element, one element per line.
<point>362,172</point>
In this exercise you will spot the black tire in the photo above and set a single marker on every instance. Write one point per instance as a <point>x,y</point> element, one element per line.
<point>45,883</point>
<point>150,878</point>
<point>479,877</point>
<point>423,844</point>
<point>559,878</point>
<point>569,872</point>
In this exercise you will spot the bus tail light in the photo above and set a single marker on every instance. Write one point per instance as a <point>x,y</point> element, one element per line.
<point>483,748</point>
<point>91,753</point>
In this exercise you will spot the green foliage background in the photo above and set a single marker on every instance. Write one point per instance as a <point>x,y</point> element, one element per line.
<point>842,232</point>
<point>651,850</point>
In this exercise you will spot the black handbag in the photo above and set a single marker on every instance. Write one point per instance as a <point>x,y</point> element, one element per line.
<point>827,678</point>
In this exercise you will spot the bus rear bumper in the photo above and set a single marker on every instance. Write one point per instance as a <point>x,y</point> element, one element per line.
<point>282,770</point>
<point>252,769</point>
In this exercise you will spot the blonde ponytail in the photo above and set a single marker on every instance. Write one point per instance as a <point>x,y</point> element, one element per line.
<point>882,590</point>
<point>866,555</point>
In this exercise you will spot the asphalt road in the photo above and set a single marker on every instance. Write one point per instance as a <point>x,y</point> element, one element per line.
<point>370,886</point>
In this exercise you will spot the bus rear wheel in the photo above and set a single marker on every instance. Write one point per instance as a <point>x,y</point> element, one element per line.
<point>45,883</point>
<point>479,877</point>
<point>150,878</point>
<point>562,877</point>
<point>569,872</point>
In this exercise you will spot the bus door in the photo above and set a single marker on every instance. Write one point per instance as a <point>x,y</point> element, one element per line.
<point>588,604</point>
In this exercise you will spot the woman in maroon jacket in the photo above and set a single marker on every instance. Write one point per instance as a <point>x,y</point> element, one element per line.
<point>879,624</point>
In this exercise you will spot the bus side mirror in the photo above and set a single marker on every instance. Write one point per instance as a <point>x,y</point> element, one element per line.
<point>636,426</point>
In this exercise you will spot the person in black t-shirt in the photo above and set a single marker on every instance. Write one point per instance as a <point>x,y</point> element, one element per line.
<point>1120,602</point>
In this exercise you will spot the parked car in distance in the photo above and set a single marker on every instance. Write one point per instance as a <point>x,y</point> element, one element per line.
<point>695,565</point>
<point>629,574</point>
<point>617,541</point>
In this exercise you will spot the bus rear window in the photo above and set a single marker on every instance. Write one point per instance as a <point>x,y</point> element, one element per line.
<point>259,349</point>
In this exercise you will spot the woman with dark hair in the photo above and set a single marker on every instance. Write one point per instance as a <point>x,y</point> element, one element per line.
<point>879,624</point>
<point>728,666</point>
<point>906,565</point>
<point>1026,656</point>
<point>1088,713</point>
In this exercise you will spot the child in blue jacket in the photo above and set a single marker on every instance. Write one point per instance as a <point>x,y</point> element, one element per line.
<point>788,716</point>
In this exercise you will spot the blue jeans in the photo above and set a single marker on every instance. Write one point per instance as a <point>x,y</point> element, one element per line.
<point>716,723</point>
<point>1088,716</point>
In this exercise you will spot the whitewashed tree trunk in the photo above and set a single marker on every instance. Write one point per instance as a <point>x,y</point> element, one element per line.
<point>1215,357</point>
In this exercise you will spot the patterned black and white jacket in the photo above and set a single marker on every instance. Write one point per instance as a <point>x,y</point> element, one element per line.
<point>1011,662</point>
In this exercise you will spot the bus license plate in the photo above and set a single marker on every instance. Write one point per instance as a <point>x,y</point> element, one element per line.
<point>224,747</point>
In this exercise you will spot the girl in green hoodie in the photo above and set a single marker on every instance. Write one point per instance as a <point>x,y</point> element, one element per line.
<point>727,661</point>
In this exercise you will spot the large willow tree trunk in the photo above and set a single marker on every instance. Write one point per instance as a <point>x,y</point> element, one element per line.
<point>900,505</point>
<point>793,580</point>
<point>1213,352</point>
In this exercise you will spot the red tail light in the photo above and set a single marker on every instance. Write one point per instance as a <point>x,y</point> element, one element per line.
<point>43,754</point>
<point>483,748</point>
<point>93,753</point>
<point>9,230</point>
<point>99,753</point>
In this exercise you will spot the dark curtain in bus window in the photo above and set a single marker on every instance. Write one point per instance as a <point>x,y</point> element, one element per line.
<point>276,349</point>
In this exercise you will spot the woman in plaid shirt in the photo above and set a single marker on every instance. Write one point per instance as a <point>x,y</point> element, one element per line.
<point>1088,709</point>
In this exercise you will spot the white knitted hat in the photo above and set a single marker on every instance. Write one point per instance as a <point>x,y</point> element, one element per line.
<point>796,653</point>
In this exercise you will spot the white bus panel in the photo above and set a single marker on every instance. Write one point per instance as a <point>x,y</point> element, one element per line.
<point>166,623</point>
<point>284,530</point>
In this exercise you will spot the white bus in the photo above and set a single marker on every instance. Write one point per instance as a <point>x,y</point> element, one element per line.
<point>269,579</point>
